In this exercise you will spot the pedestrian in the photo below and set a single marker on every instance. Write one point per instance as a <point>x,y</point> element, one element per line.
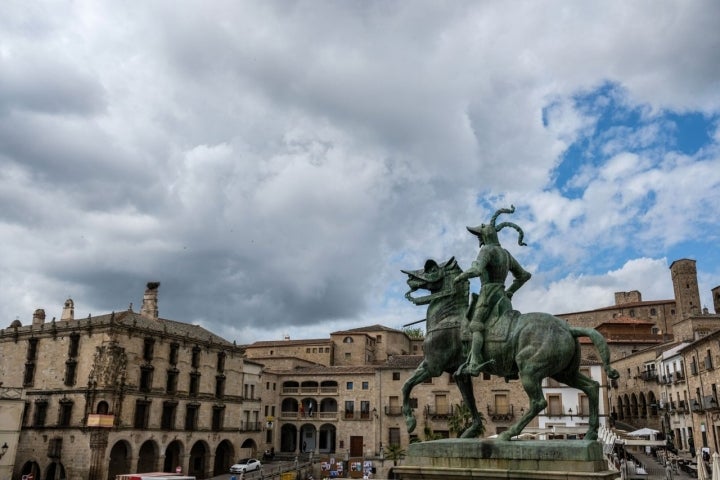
<point>668,472</point>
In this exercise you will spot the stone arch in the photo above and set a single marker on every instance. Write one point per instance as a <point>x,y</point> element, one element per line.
<point>327,438</point>
<point>620,411</point>
<point>224,458</point>
<point>643,406</point>
<point>249,444</point>
<point>653,403</point>
<point>102,407</point>
<point>328,406</point>
<point>634,404</point>
<point>173,456</point>
<point>148,457</point>
<point>288,438</point>
<point>30,467</point>
<point>199,459</point>
<point>120,455</point>
<point>289,406</point>
<point>626,406</point>
<point>55,470</point>
<point>308,438</point>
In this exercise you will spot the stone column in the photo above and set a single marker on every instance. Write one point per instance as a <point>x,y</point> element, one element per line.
<point>98,446</point>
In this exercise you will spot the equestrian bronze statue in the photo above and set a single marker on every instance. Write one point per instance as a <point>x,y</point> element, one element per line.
<point>486,335</point>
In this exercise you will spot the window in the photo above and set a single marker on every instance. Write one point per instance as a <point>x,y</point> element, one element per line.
<point>307,350</point>
<point>584,405</point>
<point>195,357</point>
<point>172,380</point>
<point>191,417</point>
<point>554,408</point>
<point>29,376</point>
<point>364,409</point>
<point>55,447</point>
<point>349,385</point>
<point>65,414</point>
<point>378,338</point>
<point>148,350</point>
<point>348,355</point>
<point>502,405</point>
<point>173,358</point>
<point>70,372</point>
<point>396,376</point>
<point>74,346</point>
<point>365,385</point>
<point>32,349</point>
<point>142,413</point>
<point>168,415</point>
<point>394,436</point>
<point>349,409</point>
<point>40,413</point>
<point>146,378</point>
<point>221,362</point>
<point>348,340</point>
<point>194,384</point>
<point>220,386</point>
<point>218,417</point>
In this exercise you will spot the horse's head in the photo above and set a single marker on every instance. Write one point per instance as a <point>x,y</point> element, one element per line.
<point>433,277</point>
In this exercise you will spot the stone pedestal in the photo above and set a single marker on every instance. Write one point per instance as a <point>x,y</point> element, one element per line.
<point>455,459</point>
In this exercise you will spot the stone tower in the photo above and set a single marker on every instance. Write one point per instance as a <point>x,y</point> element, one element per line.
<point>685,285</point>
<point>150,301</point>
<point>716,299</point>
<point>68,312</point>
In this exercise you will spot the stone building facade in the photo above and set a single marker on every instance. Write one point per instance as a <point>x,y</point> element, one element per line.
<point>671,386</point>
<point>129,392</point>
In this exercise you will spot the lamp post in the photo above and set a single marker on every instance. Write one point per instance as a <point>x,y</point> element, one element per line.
<point>4,449</point>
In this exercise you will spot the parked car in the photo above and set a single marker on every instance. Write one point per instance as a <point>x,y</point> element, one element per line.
<point>246,465</point>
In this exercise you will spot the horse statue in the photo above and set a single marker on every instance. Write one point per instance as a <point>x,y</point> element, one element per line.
<point>446,310</point>
<point>529,346</point>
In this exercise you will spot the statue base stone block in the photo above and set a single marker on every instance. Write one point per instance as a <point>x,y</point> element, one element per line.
<point>463,459</point>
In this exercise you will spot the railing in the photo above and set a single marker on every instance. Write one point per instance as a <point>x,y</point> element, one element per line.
<point>649,375</point>
<point>435,413</point>
<point>295,415</point>
<point>504,415</point>
<point>250,426</point>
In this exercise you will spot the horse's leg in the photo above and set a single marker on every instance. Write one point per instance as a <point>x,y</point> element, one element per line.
<point>531,378</point>
<point>464,383</point>
<point>591,388</point>
<point>421,374</point>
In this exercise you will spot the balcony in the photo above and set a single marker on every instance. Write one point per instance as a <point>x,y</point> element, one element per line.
<point>649,375</point>
<point>438,413</point>
<point>501,415</point>
<point>250,426</point>
<point>316,416</point>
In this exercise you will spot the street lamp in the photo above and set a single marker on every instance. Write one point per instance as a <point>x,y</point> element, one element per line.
<point>570,412</point>
<point>4,449</point>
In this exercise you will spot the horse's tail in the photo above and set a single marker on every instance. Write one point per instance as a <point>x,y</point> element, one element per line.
<point>599,341</point>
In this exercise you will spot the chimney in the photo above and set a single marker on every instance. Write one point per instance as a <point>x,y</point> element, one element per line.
<point>150,301</point>
<point>38,317</point>
<point>68,312</point>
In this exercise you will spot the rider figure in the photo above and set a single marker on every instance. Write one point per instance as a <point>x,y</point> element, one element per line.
<point>492,266</point>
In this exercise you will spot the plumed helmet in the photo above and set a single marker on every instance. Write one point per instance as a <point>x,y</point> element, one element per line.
<point>488,232</point>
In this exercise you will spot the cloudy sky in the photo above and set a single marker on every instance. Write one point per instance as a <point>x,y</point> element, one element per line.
<point>275,164</point>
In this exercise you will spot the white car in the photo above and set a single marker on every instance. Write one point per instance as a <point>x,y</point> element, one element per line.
<point>246,465</point>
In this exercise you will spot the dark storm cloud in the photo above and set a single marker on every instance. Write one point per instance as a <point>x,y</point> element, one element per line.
<point>275,164</point>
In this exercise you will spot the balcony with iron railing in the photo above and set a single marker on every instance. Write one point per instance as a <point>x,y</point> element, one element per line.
<point>393,410</point>
<point>501,414</point>
<point>649,376</point>
<point>435,412</point>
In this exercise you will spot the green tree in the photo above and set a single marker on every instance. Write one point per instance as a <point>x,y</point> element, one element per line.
<point>461,420</point>
<point>394,452</point>
<point>415,333</point>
